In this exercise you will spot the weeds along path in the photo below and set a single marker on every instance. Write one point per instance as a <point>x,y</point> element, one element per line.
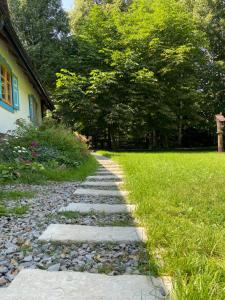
<point>86,229</point>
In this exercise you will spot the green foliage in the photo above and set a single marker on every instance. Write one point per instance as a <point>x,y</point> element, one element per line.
<point>137,72</point>
<point>43,28</point>
<point>149,72</point>
<point>180,200</point>
<point>209,16</point>
<point>48,152</point>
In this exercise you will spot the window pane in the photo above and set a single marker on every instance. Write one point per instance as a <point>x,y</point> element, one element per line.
<point>6,85</point>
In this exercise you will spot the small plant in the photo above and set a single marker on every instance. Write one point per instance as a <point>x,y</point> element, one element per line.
<point>15,195</point>
<point>18,210</point>
<point>8,172</point>
<point>70,214</point>
<point>51,151</point>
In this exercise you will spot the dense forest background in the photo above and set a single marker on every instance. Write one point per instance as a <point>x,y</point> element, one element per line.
<point>130,73</point>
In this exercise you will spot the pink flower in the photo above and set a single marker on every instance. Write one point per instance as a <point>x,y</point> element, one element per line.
<point>34,144</point>
<point>34,154</point>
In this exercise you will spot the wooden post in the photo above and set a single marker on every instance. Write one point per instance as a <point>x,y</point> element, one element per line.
<point>220,124</point>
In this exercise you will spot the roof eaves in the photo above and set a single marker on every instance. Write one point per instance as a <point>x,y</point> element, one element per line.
<point>6,24</point>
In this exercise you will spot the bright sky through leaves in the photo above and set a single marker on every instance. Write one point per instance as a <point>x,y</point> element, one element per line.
<point>67,4</point>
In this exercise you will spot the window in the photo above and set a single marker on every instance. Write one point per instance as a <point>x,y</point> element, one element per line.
<point>9,87</point>
<point>6,86</point>
<point>33,109</point>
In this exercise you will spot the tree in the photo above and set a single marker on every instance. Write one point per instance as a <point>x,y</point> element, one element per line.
<point>141,67</point>
<point>209,17</point>
<point>43,28</point>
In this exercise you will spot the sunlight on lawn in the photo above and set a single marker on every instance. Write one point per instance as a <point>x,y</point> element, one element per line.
<point>181,202</point>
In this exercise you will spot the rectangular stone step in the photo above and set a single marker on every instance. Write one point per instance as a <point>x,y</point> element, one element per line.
<point>107,173</point>
<point>84,208</point>
<point>105,177</point>
<point>44,285</point>
<point>78,233</point>
<point>119,173</point>
<point>102,183</point>
<point>110,170</point>
<point>92,192</point>
<point>110,167</point>
<point>109,164</point>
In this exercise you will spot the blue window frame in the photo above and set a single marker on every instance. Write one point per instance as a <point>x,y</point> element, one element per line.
<point>9,87</point>
<point>33,109</point>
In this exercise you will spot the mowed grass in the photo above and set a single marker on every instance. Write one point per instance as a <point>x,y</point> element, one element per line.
<point>181,203</point>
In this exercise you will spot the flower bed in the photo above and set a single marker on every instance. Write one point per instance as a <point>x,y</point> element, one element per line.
<point>32,152</point>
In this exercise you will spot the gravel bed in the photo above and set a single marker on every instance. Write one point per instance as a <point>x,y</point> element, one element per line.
<point>19,247</point>
<point>17,234</point>
<point>94,219</point>
<point>111,259</point>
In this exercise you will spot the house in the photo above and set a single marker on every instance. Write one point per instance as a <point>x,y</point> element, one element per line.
<point>22,95</point>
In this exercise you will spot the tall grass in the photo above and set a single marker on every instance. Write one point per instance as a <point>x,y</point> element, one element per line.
<point>181,202</point>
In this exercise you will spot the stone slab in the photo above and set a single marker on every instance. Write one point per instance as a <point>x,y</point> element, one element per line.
<point>105,177</point>
<point>84,208</point>
<point>108,163</point>
<point>108,173</point>
<point>102,183</point>
<point>44,285</point>
<point>111,168</point>
<point>62,233</point>
<point>92,192</point>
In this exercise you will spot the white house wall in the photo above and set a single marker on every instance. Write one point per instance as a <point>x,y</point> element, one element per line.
<point>7,118</point>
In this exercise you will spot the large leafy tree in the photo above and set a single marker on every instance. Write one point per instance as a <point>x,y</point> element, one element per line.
<point>209,16</point>
<point>43,28</point>
<point>140,63</point>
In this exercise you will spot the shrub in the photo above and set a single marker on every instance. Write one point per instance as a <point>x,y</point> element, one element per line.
<point>31,150</point>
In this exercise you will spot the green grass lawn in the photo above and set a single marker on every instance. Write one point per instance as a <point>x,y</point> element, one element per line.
<point>181,203</point>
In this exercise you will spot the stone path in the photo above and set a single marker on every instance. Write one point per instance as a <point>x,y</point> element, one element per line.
<point>111,184</point>
<point>106,177</point>
<point>98,192</point>
<point>42,285</point>
<point>74,241</point>
<point>78,233</point>
<point>84,208</point>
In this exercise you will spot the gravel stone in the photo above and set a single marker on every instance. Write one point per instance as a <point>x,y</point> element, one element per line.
<point>20,248</point>
<point>3,281</point>
<point>28,258</point>
<point>54,268</point>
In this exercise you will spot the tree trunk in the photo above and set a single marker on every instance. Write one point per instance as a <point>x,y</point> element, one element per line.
<point>180,126</point>
<point>153,138</point>
<point>109,139</point>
